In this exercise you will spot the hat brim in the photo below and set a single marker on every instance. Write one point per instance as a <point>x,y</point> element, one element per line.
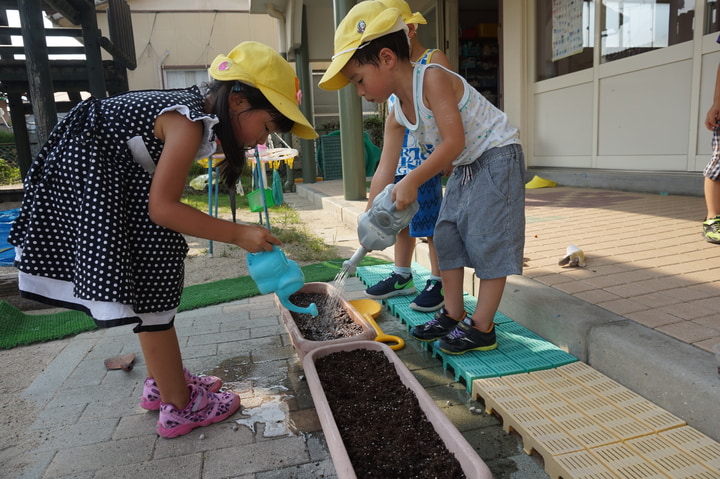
<point>333,79</point>
<point>415,18</point>
<point>302,127</point>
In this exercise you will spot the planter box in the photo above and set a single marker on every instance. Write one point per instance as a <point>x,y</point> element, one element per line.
<point>471,464</point>
<point>303,345</point>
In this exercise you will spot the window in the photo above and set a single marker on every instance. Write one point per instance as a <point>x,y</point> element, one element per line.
<point>630,27</point>
<point>554,55</point>
<point>183,78</point>
<point>712,17</point>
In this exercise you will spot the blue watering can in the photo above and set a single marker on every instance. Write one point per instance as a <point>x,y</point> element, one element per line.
<point>272,271</point>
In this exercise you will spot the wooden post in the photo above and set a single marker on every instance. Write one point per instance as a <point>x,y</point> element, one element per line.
<point>40,86</point>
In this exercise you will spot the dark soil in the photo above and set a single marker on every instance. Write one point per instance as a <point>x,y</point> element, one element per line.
<point>385,432</point>
<point>332,321</point>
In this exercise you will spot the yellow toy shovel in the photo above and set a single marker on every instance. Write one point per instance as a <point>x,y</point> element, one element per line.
<point>370,308</point>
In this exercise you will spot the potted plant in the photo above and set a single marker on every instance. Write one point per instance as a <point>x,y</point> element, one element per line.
<point>350,379</point>
<point>356,328</point>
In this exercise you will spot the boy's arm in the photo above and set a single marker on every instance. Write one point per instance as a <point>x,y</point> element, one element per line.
<point>393,136</point>
<point>441,93</point>
<point>713,115</point>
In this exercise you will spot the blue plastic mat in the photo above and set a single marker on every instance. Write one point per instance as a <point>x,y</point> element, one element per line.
<point>519,349</point>
<point>7,252</point>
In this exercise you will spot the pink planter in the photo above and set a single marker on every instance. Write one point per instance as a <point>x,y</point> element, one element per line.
<point>472,465</point>
<point>303,345</point>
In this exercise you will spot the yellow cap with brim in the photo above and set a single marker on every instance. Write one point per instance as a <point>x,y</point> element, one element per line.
<point>364,22</point>
<point>407,15</point>
<point>259,66</point>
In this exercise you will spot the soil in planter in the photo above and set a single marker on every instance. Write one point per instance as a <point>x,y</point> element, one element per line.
<point>332,321</point>
<point>385,431</point>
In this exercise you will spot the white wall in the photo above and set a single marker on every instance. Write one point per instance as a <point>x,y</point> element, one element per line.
<point>191,39</point>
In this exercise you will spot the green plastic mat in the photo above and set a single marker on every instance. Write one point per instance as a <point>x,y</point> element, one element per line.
<point>519,349</point>
<point>18,328</point>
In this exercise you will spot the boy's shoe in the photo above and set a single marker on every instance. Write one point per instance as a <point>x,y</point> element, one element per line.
<point>465,338</point>
<point>394,285</point>
<point>151,394</point>
<point>711,230</point>
<point>430,299</point>
<point>440,326</point>
<point>204,408</point>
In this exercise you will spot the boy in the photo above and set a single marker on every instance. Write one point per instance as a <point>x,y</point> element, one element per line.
<point>481,222</point>
<point>400,281</point>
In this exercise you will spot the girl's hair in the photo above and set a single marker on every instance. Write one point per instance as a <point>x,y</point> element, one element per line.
<point>231,169</point>
<point>369,53</point>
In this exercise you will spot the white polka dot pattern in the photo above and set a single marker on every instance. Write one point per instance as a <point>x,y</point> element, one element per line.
<point>84,217</point>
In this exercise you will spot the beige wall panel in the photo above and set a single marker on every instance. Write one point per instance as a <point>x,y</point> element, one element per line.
<point>563,125</point>
<point>644,114</point>
<point>321,33</point>
<point>191,39</point>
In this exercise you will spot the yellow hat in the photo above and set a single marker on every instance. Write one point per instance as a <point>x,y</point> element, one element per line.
<point>261,67</point>
<point>364,22</point>
<point>407,15</point>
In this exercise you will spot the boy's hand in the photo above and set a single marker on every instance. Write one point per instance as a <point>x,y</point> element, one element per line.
<point>404,194</point>
<point>711,119</point>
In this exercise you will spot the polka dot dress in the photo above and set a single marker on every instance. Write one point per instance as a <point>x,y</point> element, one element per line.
<point>84,238</point>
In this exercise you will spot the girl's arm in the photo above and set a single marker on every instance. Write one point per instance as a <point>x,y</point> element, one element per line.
<point>441,93</point>
<point>393,136</point>
<point>182,138</point>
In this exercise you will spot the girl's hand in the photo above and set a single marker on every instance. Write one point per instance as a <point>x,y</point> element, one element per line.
<point>255,238</point>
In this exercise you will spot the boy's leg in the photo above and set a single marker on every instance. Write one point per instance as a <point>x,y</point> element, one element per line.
<point>489,296</point>
<point>448,318</point>
<point>478,333</point>
<point>453,284</point>
<point>400,282</point>
<point>431,298</point>
<point>434,265</point>
<point>404,248</point>
<point>711,225</point>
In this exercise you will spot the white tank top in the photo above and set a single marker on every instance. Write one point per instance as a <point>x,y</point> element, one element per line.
<point>485,125</point>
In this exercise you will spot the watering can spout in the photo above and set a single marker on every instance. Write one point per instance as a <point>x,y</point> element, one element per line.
<point>311,310</point>
<point>351,264</point>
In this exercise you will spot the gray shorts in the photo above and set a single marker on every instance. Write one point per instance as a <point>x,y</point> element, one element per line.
<point>482,217</point>
<point>712,169</point>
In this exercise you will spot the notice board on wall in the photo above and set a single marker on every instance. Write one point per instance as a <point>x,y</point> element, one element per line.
<point>567,24</point>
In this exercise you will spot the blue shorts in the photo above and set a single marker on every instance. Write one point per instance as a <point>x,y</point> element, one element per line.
<point>712,169</point>
<point>430,198</point>
<point>482,218</point>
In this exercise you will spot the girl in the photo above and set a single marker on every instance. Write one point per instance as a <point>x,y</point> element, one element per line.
<point>101,225</point>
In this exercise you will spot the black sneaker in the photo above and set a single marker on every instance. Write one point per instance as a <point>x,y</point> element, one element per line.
<point>430,299</point>
<point>711,230</point>
<point>465,338</point>
<point>441,325</point>
<point>394,285</point>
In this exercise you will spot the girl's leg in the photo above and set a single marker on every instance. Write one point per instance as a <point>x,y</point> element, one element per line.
<point>164,363</point>
<point>490,293</point>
